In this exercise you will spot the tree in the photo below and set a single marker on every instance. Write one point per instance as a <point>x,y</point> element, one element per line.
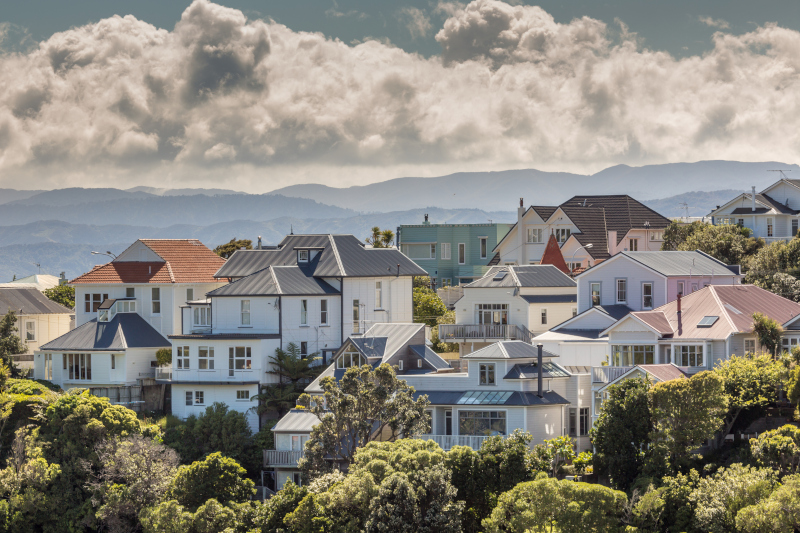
<point>365,405</point>
<point>62,294</point>
<point>226,250</point>
<point>768,331</point>
<point>421,282</point>
<point>552,455</point>
<point>216,476</point>
<point>778,258</point>
<point>667,507</point>
<point>731,244</point>
<point>293,370</point>
<point>10,342</point>
<point>685,412</point>
<point>780,511</point>
<point>621,434</point>
<point>380,238</point>
<point>164,356</point>
<point>750,381</point>
<point>778,449</point>
<point>449,317</point>
<point>428,307</point>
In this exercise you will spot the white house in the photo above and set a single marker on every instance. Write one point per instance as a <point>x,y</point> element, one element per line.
<point>589,229</point>
<point>498,392</point>
<point>310,290</point>
<point>39,320</point>
<point>510,302</point>
<point>772,214</point>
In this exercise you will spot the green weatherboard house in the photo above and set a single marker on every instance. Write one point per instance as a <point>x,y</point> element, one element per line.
<point>452,254</point>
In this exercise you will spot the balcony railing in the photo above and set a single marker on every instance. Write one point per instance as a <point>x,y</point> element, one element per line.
<point>448,441</point>
<point>451,332</point>
<point>607,374</point>
<point>164,373</point>
<point>273,458</point>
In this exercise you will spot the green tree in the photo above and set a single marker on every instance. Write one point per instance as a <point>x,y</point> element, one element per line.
<point>10,342</point>
<point>380,238</point>
<point>62,294</point>
<point>216,476</point>
<point>676,234</point>
<point>226,250</point>
<point>552,455</point>
<point>294,371</point>
<point>777,258</point>
<point>365,405</point>
<point>731,244</point>
<point>768,331</point>
<point>778,449</point>
<point>164,356</point>
<point>428,307</point>
<point>421,282</point>
<point>667,507</point>
<point>779,512</point>
<point>621,434</point>
<point>449,317</point>
<point>685,412</point>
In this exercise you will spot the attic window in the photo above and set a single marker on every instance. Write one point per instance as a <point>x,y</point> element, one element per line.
<point>302,256</point>
<point>707,321</point>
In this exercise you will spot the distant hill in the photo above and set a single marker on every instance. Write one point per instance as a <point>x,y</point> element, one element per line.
<point>501,191</point>
<point>699,203</point>
<point>183,192</point>
<point>10,195</point>
<point>54,258</point>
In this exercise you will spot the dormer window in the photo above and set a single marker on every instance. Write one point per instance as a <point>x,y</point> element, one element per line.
<point>302,256</point>
<point>351,357</point>
<point>102,315</point>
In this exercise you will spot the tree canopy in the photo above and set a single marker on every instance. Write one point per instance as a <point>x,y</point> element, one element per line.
<point>10,342</point>
<point>293,370</point>
<point>62,294</point>
<point>226,250</point>
<point>380,238</point>
<point>731,244</point>
<point>428,307</point>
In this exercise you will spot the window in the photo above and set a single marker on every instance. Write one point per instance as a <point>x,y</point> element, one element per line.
<point>484,244</point>
<point>622,291</point>
<point>302,256</point>
<point>378,295</point>
<point>585,425</point>
<point>624,355</point>
<point>113,362</point>
<point>303,349</point>
<point>599,397</point>
<point>183,358</point>
<point>633,245</point>
<point>92,302</point>
<point>574,311</point>
<point>573,422</point>
<point>794,227</point>
<point>419,363</point>
<point>680,288</point>
<point>205,358</point>
<point>448,422</point>
<point>297,479</point>
<point>102,315</point>
<point>303,313</point>
<point>647,295</point>
<point>788,343</point>
<point>544,316</point>
<point>489,314</point>
<point>749,346</point>
<point>48,366</point>
<point>535,235</point>
<point>574,266</point>
<point>689,355</point>
<point>125,306</point>
<point>656,235</point>
<point>189,398</point>
<point>486,374</point>
<point>562,234</point>
<point>694,287</point>
<point>350,357</point>
<point>130,292</point>
<point>243,395</point>
<point>446,282</point>
<point>595,290</point>
<point>445,249</point>
<point>202,316</point>
<point>421,251</point>
<point>356,316</point>
<point>741,222</point>
<point>400,365</point>
<point>199,397</point>
<point>323,312</point>
<point>769,227</point>
<point>189,294</point>
<point>30,330</point>
<point>79,365</point>
<point>486,423</point>
<point>156,297</point>
<point>245,307</point>
<point>462,253</point>
<point>239,358</point>
<point>433,251</point>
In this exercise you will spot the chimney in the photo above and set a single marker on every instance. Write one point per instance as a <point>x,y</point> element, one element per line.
<point>259,242</point>
<point>679,303</point>
<point>539,365</point>
<point>753,196</point>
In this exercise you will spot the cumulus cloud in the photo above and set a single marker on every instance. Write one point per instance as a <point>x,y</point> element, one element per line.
<point>715,23</point>
<point>258,105</point>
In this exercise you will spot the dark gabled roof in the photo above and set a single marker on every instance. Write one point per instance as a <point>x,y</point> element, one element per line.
<point>544,211</point>
<point>749,211</point>
<point>429,356</point>
<point>508,350</point>
<point>523,276</point>
<point>549,298</point>
<point>622,213</point>
<point>125,330</point>
<point>29,301</point>
<point>277,281</point>
<point>506,398</point>
<point>776,205</point>
<point>531,371</point>
<point>338,256</point>
<point>677,263</point>
<point>591,222</point>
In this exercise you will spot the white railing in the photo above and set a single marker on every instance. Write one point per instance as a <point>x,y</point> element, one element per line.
<point>484,331</point>
<point>281,457</point>
<point>448,441</point>
<point>607,374</point>
<point>164,373</point>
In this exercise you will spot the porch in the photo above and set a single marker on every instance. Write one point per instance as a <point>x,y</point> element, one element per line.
<point>282,458</point>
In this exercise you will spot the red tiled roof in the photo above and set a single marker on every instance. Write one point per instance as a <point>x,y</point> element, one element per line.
<point>552,255</point>
<point>185,261</point>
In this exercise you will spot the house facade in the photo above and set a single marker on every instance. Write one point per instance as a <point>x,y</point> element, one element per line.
<point>773,214</point>
<point>511,303</point>
<point>451,254</point>
<point>589,229</point>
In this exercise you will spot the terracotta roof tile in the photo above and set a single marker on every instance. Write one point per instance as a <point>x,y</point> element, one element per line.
<point>126,272</point>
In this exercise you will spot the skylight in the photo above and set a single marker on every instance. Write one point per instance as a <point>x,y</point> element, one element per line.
<point>484,397</point>
<point>707,321</point>
<point>500,275</point>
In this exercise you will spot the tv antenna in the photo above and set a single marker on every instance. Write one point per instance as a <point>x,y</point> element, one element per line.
<point>40,267</point>
<point>685,207</point>
<point>782,172</point>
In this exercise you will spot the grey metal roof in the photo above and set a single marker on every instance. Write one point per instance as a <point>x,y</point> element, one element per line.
<point>675,263</point>
<point>296,420</point>
<point>125,330</point>
<point>530,371</point>
<point>515,398</point>
<point>580,369</point>
<point>583,333</point>
<point>275,281</point>
<point>429,356</point>
<point>370,347</point>
<point>524,276</point>
<point>338,256</point>
<point>549,298</point>
<point>396,335</point>
<point>508,350</point>
<point>29,301</point>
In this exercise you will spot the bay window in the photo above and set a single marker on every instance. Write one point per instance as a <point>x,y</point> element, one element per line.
<point>488,423</point>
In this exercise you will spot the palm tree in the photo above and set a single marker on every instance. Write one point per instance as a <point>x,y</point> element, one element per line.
<point>380,238</point>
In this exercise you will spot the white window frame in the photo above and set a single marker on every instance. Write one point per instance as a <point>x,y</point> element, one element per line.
<point>563,235</point>
<point>304,312</point>
<point>356,316</point>
<point>620,351</point>
<point>624,290</point>
<point>681,288</point>
<point>644,296</point>
<point>199,397</point>
<point>91,303</point>
<point>378,295</point>
<point>202,316</point>
<point>244,315</point>
<point>323,312</point>
<point>477,409</point>
<point>400,365</point>
<point>48,366</point>
<point>130,292</point>
<point>599,292</point>
<point>183,358</point>
<point>79,366</point>
<point>677,354</point>
<point>444,249</point>
<point>535,235</point>
<point>345,359</point>
<point>234,358</point>
<point>462,253</point>
<point>433,250</point>
<point>303,349</point>
<point>190,294</point>
<point>754,343</point>
<point>544,316</point>
<point>30,334</point>
<point>485,368</point>
<point>155,296</point>
<point>206,360</point>
<point>302,256</point>
<point>189,398</point>
<point>113,362</point>
<point>242,395</point>
<point>483,243</point>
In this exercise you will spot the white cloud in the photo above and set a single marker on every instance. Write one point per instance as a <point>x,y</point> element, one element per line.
<point>715,23</point>
<point>415,20</point>
<point>259,105</point>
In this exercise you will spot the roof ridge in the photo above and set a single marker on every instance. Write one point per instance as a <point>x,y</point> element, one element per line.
<point>274,279</point>
<point>336,254</point>
<point>713,292</point>
<point>171,274</point>
<point>122,334</point>
<point>514,275</point>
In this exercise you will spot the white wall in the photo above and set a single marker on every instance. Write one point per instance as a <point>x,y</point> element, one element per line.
<point>397,304</point>
<point>608,272</point>
<point>317,336</point>
<point>260,349</point>
<point>48,327</point>
<point>545,423</point>
<point>214,393</point>
<point>127,368</point>
<point>227,314</point>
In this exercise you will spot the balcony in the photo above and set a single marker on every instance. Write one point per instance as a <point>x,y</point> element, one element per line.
<point>282,458</point>
<point>448,441</point>
<point>484,332</point>
<point>164,373</point>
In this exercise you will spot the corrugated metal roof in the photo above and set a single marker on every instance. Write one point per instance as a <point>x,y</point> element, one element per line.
<point>516,398</point>
<point>675,263</point>
<point>370,347</point>
<point>296,420</point>
<point>579,369</point>
<point>508,350</point>
<point>27,301</point>
<point>568,334</point>
<point>429,356</point>
<point>276,281</point>
<point>298,281</point>
<point>549,298</point>
<point>524,276</point>
<point>656,320</point>
<point>125,330</point>
<point>531,371</point>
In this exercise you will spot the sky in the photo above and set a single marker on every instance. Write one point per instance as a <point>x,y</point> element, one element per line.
<point>255,95</point>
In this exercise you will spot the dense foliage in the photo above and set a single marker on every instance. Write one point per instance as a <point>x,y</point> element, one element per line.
<point>731,244</point>
<point>428,307</point>
<point>380,238</point>
<point>62,294</point>
<point>294,371</point>
<point>226,250</point>
<point>10,342</point>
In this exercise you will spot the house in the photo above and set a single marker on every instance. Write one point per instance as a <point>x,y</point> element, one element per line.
<point>158,275</point>
<point>310,290</point>
<point>499,391</point>
<point>605,376</point>
<point>40,282</point>
<point>772,214</point>
<point>589,229</point>
<point>627,282</point>
<point>451,254</point>
<point>510,302</point>
<point>39,320</point>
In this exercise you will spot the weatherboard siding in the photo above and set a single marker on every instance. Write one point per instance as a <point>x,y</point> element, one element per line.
<point>397,306</point>
<point>227,315</point>
<point>317,336</point>
<point>622,267</point>
<point>545,423</point>
<point>225,394</point>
